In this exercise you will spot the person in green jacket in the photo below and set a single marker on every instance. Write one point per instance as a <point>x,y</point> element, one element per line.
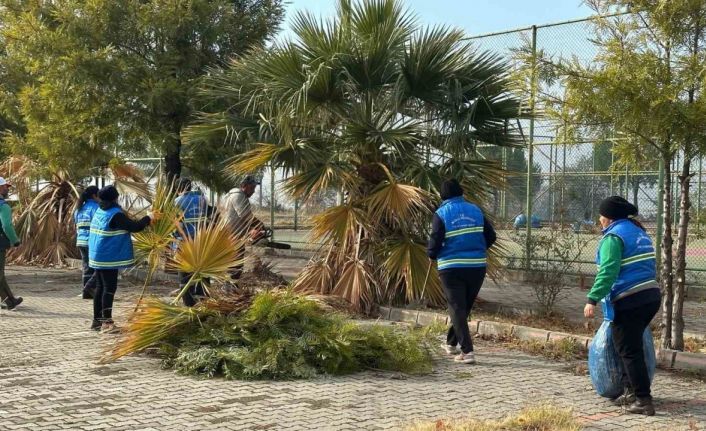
<point>8,238</point>
<point>627,282</point>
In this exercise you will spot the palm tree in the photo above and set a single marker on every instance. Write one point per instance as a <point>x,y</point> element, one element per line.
<point>374,105</point>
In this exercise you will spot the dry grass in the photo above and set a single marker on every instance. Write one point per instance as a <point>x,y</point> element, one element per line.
<point>544,417</point>
<point>564,350</point>
<point>694,345</point>
<point>550,323</point>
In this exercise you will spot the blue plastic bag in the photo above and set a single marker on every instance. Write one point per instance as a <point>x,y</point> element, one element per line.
<point>604,364</point>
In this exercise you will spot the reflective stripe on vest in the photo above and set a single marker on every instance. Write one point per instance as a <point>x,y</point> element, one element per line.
<point>108,248</point>
<point>637,265</point>
<point>83,218</point>
<point>194,207</point>
<point>464,244</point>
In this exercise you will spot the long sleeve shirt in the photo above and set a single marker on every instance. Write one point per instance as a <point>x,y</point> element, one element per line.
<point>237,212</point>
<point>611,250</point>
<point>6,221</point>
<point>438,233</point>
<point>122,221</point>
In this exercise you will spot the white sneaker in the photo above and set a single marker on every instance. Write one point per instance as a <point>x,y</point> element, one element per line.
<point>449,349</point>
<point>465,358</point>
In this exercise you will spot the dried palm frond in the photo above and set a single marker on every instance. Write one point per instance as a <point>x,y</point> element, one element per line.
<point>399,204</point>
<point>126,171</point>
<point>153,244</point>
<point>231,302</point>
<point>316,277</point>
<point>21,172</point>
<point>355,283</point>
<point>407,263</point>
<point>130,180</point>
<point>208,255</point>
<point>152,322</point>
<point>45,225</point>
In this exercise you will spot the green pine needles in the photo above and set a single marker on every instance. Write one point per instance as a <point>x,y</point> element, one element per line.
<point>283,335</point>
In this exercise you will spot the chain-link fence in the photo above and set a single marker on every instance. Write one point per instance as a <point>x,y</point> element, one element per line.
<point>558,180</point>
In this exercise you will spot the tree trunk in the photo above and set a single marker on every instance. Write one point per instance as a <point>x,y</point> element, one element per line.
<point>680,261</point>
<point>172,160</point>
<point>666,269</point>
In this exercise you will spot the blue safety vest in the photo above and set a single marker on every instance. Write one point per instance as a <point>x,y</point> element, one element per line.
<point>638,266</point>
<point>464,244</point>
<point>108,248</point>
<point>194,206</point>
<point>82,218</point>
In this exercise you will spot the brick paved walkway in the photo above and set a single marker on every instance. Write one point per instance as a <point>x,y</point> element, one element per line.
<point>49,380</point>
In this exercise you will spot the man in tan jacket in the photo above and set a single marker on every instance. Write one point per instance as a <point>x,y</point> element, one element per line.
<point>236,211</point>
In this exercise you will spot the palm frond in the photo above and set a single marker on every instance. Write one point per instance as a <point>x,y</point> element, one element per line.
<point>336,224</point>
<point>317,277</point>
<point>399,204</point>
<point>355,283</point>
<point>209,254</point>
<point>407,262</point>
<point>152,322</point>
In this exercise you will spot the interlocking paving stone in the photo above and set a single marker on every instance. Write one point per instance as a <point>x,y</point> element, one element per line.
<point>50,380</point>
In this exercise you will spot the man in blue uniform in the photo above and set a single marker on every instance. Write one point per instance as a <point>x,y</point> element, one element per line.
<point>195,209</point>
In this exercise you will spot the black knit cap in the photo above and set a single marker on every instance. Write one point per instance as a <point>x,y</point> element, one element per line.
<point>616,208</point>
<point>108,194</point>
<point>450,189</point>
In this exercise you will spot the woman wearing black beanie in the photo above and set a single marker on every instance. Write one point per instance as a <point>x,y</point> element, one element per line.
<point>626,281</point>
<point>110,249</point>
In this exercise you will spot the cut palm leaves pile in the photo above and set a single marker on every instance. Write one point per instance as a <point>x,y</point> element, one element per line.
<point>279,335</point>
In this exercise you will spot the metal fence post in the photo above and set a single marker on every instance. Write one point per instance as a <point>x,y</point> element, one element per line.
<point>530,155</point>
<point>503,192</point>
<point>698,197</point>
<point>296,214</point>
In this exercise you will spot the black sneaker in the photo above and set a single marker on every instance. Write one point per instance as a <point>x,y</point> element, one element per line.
<point>627,398</point>
<point>642,407</point>
<point>87,294</point>
<point>13,303</point>
<point>96,325</point>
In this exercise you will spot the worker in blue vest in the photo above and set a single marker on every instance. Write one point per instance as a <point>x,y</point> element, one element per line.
<point>195,209</point>
<point>87,206</point>
<point>627,280</point>
<point>110,249</point>
<point>459,241</point>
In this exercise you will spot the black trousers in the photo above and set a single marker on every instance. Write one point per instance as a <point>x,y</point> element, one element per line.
<point>237,271</point>
<point>89,274</point>
<point>628,327</point>
<point>193,290</point>
<point>5,292</point>
<point>461,286</point>
<point>106,285</point>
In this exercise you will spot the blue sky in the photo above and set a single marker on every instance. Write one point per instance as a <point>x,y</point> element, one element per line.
<point>473,16</point>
